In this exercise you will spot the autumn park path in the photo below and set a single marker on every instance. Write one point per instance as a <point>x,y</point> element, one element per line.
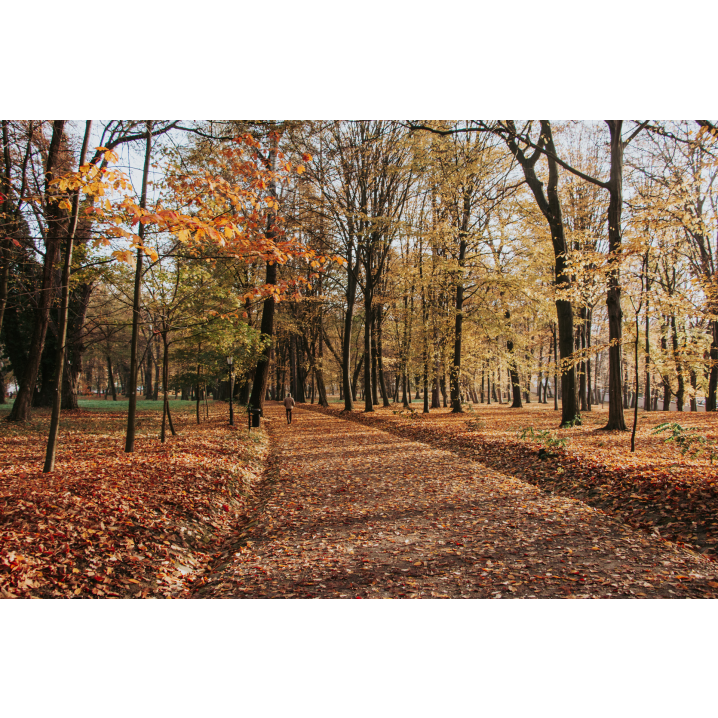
<point>356,512</point>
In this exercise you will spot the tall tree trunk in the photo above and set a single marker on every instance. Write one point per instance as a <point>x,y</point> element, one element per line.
<point>155,393</point>
<point>711,400</point>
<point>293,383</point>
<point>136,306</point>
<point>647,398</point>
<point>582,372</point>
<point>165,389</point>
<point>198,392</point>
<point>456,407</point>
<point>435,401</point>
<point>635,404</point>
<point>348,384</point>
<point>261,373</point>
<point>111,378</point>
<point>380,355</point>
<point>548,201</point>
<point>55,230</point>
<point>588,324</point>
<point>666,383</point>
<point>355,378</point>
<point>616,419</point>
<point>368,317</point>
<point>149,360</point>
<point>374,367</point>
<point>319,368</point>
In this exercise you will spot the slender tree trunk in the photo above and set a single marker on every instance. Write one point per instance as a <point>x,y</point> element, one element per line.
<point>380,355</point>
<point>368,317</point>
<point>62,324</point>
<point>293,365</point>
<point>165,391</point>
<point>666,383</point>
<point>355,377</point>
<point>149,360</point>
<point>111,376</point>
<point>616,419</point>
<point>349,392</point>
<point>198,393</point>
<point>374,378</point>
<point>556,370</point>
<point>680,394</point>
<point>155,394</point>
<point>435,401</point>
<point>589,317</point>
<point>319,369</point>
<point>647,399</point>
<point>635,404</point>
<point>136,306</point>
<point>582,371</point>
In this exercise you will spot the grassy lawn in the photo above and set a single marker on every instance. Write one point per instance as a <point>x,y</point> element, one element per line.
<point>122,404</point>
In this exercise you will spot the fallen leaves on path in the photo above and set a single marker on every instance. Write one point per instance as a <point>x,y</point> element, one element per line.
<point>110,524</point>
<point>355,512</point>
<point>656,488</point>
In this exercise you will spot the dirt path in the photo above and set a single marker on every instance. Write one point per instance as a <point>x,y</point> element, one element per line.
<point>356,512</point>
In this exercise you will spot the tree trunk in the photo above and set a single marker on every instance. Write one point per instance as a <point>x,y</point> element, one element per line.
<point>666,383</point>
<point>149,359</point>
<point>355,378</point>
<point>711,399</point>
<point>513,371</point>
<point>556,370</point>
<point>368,316</point>
<point>380,355</point>
<point>647,398</point>
<point>374,365</point>
<point>111,378</point>
<point>165,384</point>
<point>680,394</point>
<point>616,419</point>
<point>136,306</point>
<point>55,230</point>
<point>261,372</point>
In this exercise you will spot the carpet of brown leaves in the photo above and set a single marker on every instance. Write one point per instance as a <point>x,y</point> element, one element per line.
<point>655,488</point>
<point>354,511</point>
<point>110,524</point>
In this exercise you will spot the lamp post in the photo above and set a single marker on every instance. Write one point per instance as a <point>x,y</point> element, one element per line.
<point>230,362</point>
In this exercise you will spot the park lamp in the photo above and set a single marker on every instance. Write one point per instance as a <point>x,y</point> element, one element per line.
<point>230,361</point>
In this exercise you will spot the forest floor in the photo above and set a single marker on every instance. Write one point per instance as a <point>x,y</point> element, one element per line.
<point>106,523</point>
<point>388,504</point>
<point>354,506</point>
<point>655,488</point>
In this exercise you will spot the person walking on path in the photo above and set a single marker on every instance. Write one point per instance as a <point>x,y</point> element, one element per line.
<point>289,405</point>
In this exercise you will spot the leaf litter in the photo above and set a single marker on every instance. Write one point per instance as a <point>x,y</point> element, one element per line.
<point>356,507</point>
<point>110,524</point>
